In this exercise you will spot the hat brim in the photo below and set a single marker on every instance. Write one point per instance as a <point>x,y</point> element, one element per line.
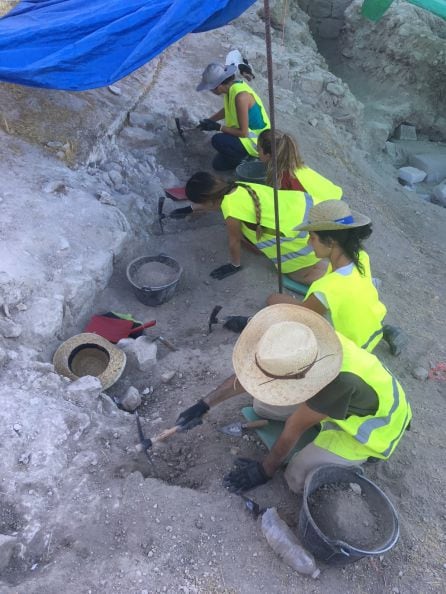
<point>114,369</point>
<point>286,392</point>
<point>359,220</point>
<point>208,86</point>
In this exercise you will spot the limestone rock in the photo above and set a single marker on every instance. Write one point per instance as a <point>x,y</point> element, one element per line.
<point>115,90</point>
<point>131,399</point>
<point>140,352</point>
<point>335,89</point>
<point>115,178</point>
<point>84,392</point>
<point>7,546</point>
<point>420,373</point>
<point>10,329</point>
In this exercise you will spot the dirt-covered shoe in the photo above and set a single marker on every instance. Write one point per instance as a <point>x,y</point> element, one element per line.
<point>395,338</point>
<point>236,323</point>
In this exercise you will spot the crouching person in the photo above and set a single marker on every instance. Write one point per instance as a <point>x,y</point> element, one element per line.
<point>299,370</point>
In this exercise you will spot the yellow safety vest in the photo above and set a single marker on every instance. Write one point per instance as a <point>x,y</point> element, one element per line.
<point>317,185</point>
<point>293,210</point>
<point>231,119</point>
<point>377,435</point>
<point>354,308</point>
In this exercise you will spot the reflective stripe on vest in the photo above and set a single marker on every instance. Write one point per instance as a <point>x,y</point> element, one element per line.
<point>231,119</point>
<point>357,438</point>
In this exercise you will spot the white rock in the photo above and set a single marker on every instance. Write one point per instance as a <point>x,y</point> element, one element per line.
<point>84,392</point>
<point>10,329</point>
<point>140,352</point>
<point>115,90</point>
<point>355,488</point>
<point>335,89</point>
<point>139,120</point>
<point>167,376</point>
<point>131,399</point>
<point>440,191</point>
<point>420,373</point>
<point>411,175</point>
<point>7,546</point>
<point>115,178</point>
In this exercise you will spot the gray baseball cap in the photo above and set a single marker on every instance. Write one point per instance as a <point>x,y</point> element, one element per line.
<point>214,74</point>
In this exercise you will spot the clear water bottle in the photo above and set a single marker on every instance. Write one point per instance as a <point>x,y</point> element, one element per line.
<point>284,543</point>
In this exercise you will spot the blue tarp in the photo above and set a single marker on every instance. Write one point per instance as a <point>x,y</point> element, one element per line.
<point>83,44</point>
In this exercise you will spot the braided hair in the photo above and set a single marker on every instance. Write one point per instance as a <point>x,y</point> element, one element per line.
<point>204,187</point>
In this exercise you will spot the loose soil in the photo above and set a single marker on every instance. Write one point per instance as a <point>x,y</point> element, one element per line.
<point>155,274</point>
<point>343,513</point>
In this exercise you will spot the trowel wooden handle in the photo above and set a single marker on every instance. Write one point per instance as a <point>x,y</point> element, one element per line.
<point>160,437</point>
<point>255,424</point>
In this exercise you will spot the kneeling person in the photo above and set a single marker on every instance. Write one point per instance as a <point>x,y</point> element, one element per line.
<point>299,370</point>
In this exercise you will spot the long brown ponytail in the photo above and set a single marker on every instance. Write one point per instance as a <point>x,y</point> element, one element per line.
<point>288,156</point>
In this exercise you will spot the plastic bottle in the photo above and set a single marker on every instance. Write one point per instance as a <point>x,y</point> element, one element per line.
<point>283,541</point>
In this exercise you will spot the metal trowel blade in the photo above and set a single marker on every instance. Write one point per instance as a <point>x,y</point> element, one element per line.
<point>234,429</point>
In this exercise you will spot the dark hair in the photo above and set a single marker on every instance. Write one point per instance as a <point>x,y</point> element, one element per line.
<point>227,80</point>
<point>205,187</point>
<point>349,240</point>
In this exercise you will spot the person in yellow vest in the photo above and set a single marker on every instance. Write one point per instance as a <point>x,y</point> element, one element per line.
<point>299,370</point>
<point>292,173</point>
<point>248,210</point>
<point>243,111</point>
<point>346,294</point>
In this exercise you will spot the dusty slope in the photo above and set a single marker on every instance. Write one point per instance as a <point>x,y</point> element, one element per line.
<point>84,522</point>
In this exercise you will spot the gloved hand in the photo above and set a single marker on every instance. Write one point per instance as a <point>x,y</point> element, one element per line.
<point>181,213</point>
<point>223,271</point>
<point>236,323</point>
<point>192,416</point>
<point>209,125</point>
<point>246,475</point>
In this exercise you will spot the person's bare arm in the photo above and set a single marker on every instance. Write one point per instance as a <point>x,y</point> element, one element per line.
<point>301,420</point>
<point>312,302</point>
<point>219,115</point>
<point>228,389</point>
<point>243,102</point>
<point>233,227</point>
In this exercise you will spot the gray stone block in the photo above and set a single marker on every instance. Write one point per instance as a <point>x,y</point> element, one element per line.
<point>411,175</point>
<point>406,132</point>
<point>320,8</point>
<point>433,164</point>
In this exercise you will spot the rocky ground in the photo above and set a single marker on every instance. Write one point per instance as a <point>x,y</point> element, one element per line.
<point>80,509</point>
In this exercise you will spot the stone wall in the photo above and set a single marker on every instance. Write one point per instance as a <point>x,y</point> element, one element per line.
<point>326,16</point>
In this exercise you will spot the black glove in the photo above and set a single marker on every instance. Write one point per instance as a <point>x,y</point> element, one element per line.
<point>209,125</point>
<point>236,323</point>
<point>192,416</point>
<point>246,475</point>
<point>223,271</point>
<point>395,338</point>
<point>181,213</point>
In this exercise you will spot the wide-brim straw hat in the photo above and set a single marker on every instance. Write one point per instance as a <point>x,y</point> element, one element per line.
<point>282,339</point>
<point>332,215</point>
<point>90,354</point>
<point>214,74</point>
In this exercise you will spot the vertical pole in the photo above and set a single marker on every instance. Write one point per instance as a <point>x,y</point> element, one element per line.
<point>269,62</point>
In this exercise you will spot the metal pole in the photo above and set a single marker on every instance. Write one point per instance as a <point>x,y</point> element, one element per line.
<point>269,62</point>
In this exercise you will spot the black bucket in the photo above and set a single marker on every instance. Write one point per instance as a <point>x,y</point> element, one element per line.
<point>337,552</point>
<point>253,172</point>
<point>155,295</point>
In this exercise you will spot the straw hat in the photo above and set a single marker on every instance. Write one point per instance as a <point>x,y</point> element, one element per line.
<point>214,74</point>
<point>332,215</point>
<point>90,354</point>
<point>286,354</point>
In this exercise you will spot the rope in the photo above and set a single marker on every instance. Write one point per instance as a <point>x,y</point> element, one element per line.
<point>269,62</point>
